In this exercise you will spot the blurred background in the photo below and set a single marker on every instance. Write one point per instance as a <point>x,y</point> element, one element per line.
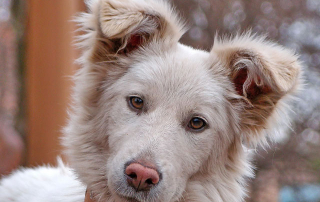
<point>37,60</point>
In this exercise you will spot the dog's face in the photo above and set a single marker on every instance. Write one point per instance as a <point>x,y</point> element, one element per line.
<point>151,115</point>
<point>163,112</point>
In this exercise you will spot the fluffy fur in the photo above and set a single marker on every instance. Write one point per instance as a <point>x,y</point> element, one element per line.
<point>130,47</point>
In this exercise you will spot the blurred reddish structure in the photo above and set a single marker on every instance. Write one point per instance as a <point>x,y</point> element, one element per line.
<point>50,63</point>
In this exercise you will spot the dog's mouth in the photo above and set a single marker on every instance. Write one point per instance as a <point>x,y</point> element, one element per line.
<point>133,196</point>
<point>129,199</point>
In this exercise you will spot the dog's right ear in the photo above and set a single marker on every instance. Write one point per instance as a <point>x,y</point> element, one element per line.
<point>125,25</point>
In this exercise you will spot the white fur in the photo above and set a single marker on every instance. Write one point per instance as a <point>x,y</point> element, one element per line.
<point>177,83</point>
<point>42,184</point>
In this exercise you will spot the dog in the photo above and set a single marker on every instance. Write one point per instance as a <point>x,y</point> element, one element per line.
<point>155,120</point>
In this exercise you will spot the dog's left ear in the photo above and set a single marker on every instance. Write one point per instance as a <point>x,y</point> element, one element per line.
<point>262,74</point>
<point>124,26</point>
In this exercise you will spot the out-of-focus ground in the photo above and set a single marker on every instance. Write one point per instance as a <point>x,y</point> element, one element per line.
<point>288,171</point>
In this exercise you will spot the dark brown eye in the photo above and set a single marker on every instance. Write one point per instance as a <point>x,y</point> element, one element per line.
<point>136,102</point>
<point>197,123</point>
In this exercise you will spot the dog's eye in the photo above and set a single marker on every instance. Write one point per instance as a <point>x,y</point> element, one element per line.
<point>197,124</point>
<point>136,102</point>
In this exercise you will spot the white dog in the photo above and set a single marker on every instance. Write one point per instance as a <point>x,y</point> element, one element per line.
<point>155,120</point>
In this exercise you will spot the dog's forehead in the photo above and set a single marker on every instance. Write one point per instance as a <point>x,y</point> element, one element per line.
<point>180,70</point>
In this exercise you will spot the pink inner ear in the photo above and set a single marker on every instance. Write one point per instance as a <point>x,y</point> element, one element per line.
<point>134,42</point>
<point>253,89</point>
<point>239,80</point>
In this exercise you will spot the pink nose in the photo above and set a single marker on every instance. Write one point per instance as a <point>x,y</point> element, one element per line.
<point>140,177</point>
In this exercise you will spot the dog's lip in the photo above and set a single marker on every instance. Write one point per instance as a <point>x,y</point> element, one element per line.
<point>128,199</point>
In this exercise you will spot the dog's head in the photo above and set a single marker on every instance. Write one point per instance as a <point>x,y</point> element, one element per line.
<point>150,114</point>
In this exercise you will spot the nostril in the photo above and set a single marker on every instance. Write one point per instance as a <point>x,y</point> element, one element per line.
<point>149,181</point>
<point>133,175</point>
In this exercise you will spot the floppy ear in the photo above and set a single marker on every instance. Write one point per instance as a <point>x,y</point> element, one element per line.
<point>263,74</point>
<point>123,26</point>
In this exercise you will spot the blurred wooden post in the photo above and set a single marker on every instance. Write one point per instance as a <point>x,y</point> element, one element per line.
<point>49,65</point>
